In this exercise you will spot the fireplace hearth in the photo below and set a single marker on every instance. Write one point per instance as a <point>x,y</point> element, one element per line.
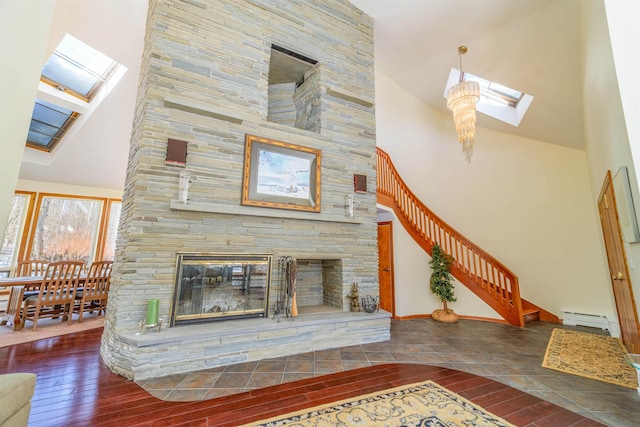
<point>213,287</point>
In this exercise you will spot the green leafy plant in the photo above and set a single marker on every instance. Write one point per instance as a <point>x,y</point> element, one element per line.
<point>441,279</point>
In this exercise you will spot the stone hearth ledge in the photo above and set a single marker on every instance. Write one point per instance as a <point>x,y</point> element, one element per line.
<point>188,348</point>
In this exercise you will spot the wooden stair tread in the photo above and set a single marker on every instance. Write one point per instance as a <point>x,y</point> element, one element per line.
<point>530,315</point>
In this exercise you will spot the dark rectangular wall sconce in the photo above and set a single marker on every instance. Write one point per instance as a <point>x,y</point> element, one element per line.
<point>359,183</point>
<point>176,152</point>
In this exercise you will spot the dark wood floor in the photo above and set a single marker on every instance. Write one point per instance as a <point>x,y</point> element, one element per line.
<point>74,388</point>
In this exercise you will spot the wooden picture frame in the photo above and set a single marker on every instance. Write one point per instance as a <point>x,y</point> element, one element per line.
<point>281,175</point>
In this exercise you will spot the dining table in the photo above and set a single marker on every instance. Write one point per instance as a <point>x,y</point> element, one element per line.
<point>17,287</point>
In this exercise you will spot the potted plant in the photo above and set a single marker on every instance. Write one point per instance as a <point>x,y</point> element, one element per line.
<point>441,283</point>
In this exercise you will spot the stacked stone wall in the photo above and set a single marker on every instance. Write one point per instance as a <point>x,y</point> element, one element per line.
<point>205,80</point>
<point>281,107</point>
<point>307,102</point>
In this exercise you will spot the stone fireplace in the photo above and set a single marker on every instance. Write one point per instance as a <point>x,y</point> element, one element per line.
<point>211,75</point>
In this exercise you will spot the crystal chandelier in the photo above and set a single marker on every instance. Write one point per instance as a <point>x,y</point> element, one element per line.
<point>462,99</point>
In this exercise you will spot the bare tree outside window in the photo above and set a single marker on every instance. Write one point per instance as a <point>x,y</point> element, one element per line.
<point>112,231</point>
<point>66,229</point>
<point>13,231</point>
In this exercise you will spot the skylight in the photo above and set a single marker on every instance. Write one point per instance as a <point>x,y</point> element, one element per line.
<point>496,100</point>
<point>48,124</point>
<point>77,67</point>
<point>72,77</point>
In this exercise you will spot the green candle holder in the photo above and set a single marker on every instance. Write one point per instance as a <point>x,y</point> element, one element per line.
<point>152,322</point>
<point>152,311</point>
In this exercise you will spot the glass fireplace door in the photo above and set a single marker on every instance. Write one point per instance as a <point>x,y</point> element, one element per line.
<point>214,287</point>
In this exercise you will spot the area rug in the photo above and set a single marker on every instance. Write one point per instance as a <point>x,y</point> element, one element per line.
<point>598,357</point>
<point>47,328</point>
<point>415,405</point>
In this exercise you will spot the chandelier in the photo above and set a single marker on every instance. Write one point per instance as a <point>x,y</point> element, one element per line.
<point>462,99</point>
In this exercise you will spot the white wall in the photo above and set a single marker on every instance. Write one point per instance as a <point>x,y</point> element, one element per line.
<point>623,17</point>
<point>526,202</point>
<point>57,188</point>
<point>611,93</point>
<point>21,64</point>
<point>411,277</point>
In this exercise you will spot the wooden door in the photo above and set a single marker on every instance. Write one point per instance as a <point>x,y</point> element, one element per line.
<point>618,269</point>
<point>385,267</point>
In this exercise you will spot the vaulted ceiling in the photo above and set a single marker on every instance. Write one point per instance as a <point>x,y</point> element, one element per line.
<point>530,45</point>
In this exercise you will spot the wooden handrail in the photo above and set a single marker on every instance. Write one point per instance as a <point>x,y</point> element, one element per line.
<point>484,275</point>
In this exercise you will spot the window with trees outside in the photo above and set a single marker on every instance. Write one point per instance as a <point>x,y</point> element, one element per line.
<point>60,227</point>
<point>13,231</point>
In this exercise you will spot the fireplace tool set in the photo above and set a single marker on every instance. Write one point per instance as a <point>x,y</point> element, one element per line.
<point>286,303</point>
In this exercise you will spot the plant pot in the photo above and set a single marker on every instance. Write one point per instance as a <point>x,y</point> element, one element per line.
<point>444,316</point>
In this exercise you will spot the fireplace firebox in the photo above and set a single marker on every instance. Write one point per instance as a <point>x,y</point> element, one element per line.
<point>220,286</point>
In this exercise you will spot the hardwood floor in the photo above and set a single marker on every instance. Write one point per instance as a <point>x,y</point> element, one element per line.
<point>74,388</point>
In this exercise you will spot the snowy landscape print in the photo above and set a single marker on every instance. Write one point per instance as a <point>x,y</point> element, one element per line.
<point>282,175</point>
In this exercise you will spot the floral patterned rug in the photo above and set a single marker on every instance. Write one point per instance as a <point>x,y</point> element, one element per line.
<point>598,357</point>
<point>416,405</point>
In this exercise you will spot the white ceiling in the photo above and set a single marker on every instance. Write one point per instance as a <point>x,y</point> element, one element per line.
<point>530,45</point>
<point>96,153</point>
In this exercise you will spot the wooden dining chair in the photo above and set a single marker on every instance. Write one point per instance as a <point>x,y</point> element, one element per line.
<point>56,294</point>
<point>27,267</point>
<point>30,267</point>
<point>95,289</point>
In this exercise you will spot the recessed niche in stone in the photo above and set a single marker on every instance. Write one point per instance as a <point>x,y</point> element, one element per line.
<point>294,90</point>
<point>319,284</point>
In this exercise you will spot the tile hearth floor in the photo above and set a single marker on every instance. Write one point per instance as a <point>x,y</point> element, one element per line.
<point>502,353</point>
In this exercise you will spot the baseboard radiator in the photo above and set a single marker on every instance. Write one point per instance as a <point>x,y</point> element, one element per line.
<point>582,319</point>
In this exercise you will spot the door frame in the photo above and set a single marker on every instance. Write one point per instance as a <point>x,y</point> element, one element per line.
<point>392,287</point>
<point>618,266</point>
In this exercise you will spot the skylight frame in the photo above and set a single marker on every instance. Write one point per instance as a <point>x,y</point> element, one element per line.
<point>98,74</point>
<point>498,101</point>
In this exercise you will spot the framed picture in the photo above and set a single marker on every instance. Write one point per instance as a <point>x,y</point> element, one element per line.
<point>280,175</point>
<point>624,203</point>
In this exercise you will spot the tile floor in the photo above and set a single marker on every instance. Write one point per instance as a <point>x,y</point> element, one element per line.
<point>501,352</point>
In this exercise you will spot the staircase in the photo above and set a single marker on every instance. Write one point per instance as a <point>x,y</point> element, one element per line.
<point>484,275</point>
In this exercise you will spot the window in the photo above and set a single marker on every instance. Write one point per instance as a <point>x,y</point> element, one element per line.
<point>62,227</point>
<point>10,244</point>
<point>77,68</point>
<point>495,93</point>
<point>49,122</point>
<point>65,228</point>
<point>496,100</point>
<point>72,77</point>
<point>115,208</point>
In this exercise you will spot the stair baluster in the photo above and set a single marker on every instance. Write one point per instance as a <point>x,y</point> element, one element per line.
<point>484,275</point>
